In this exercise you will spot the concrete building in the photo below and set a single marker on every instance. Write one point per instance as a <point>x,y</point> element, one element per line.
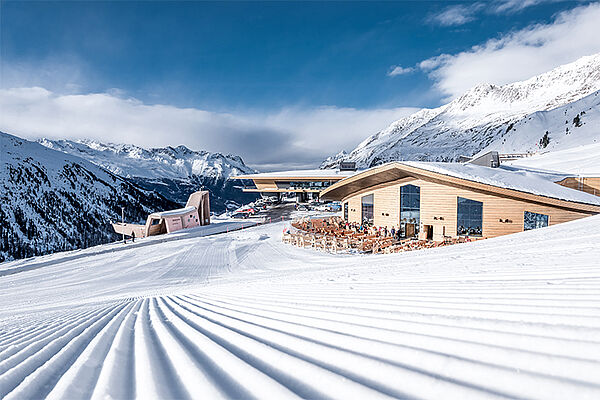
<point>195,213</point>
<point>306,184</point>
<point>440,200</point>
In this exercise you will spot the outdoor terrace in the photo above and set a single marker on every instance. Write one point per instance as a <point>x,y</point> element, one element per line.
<point>335,235</point>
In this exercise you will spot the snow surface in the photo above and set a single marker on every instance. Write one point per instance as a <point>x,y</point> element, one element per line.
<point>174,212</point>
<point>529,181</point>
<point>242,315</point>
<point>564,132</point>
<point>577,161</point>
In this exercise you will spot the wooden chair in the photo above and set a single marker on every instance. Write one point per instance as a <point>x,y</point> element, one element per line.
<point>287,238</point>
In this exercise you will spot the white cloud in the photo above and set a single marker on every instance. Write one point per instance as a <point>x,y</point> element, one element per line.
<point>291,137</point>
<point>456,15</point>
<point>460,14</point>
<point>511,6</point>
<point>519,55</point>
<point>398,70</point>
<point>65,74</point>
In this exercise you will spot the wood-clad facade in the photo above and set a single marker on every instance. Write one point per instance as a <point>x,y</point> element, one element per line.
<point>585,184</point>
<point>503,210</point>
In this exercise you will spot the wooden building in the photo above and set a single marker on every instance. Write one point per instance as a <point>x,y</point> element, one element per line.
<point>195,213</point>
<point>438,200</point>
<point>588,184</point>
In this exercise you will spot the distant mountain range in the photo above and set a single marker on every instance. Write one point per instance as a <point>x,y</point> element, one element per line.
<point>556,110</point>
<point>52,201</point>
<point>174,172</point>
<point>61,194</point>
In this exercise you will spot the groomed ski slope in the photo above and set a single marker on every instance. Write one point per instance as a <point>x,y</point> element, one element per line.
<point>241,315</point>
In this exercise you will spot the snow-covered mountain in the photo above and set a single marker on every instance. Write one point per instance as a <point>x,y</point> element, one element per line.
<point>572,125</point>
<point>509,118</point>
<point>128,160</point>
<point>52,201</point>
<point>173,172</point>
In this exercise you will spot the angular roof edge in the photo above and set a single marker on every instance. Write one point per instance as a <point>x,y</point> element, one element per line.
<point>174,213</point>
<point>299,174</point>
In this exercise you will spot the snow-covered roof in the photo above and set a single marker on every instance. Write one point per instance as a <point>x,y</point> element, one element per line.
<point>581,161</point>
<point>172,213</point>
<point>306,173</point>
<point>523,180</point>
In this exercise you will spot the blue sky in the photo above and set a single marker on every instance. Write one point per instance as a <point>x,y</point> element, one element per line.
<point>301,80</point>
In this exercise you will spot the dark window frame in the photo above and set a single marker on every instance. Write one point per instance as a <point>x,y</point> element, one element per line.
<point>410,208</point>
<point>533,220</point>
<point>367,209</point>
<point>469,217</point>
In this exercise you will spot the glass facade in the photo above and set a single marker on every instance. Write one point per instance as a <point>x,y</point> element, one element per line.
<point>367,209</point>
<point>313,185</point>
<point>346,212</point>
<point>410,210</point>
<point>534,220</point>
<point>470,217</point>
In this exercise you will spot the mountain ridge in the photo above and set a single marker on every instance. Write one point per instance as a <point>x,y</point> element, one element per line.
<point>174,172</point>
<point>481,116</point>
<point>52,201</point>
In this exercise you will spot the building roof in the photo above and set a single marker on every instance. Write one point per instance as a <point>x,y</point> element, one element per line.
<point>300,174</point>
<point>523,180</point>
<point>174,213</point>
<point>508,181</point>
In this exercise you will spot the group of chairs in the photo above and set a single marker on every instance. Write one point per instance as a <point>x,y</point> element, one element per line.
<point>330,234</point>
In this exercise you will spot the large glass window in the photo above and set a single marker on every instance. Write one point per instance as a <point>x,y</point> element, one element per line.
<point>367,209</point>
<point>534,220</point>
<point>346,212</point>
<point>410,210</point>
<point>470,217</point>
<point>314,185</point>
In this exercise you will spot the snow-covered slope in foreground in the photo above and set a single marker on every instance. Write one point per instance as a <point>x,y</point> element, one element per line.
<point>489,117</point>
<point>242,315</point>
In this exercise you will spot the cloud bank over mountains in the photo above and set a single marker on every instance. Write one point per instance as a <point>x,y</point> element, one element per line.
<point>290,137</point>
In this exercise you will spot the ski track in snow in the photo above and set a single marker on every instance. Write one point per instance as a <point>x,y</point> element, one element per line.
<point>242,315</point>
